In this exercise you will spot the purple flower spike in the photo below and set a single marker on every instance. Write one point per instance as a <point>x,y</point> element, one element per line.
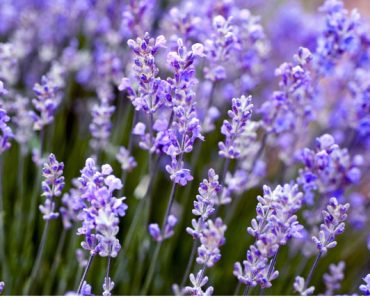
<point>334,217</point>
<point>127,161</point>
<point>275,224</point>
<point>54,180</point>
<point>100,210</point>
<point>6,131</point>
<point>208,192</point>
<point>198,282</point>
<point>328,168</point>
<point>46,102</point>
<point>339,36</point>
<point>52,186</point>
<point>240,114</point>
<point>333,279</point>
<point>212,238</point>
<point>101,125</point>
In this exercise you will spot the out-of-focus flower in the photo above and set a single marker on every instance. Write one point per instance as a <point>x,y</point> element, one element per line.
<point>365,288</point>
<point>299,287</point>
<point>334,279</point>
<point>6,131</point>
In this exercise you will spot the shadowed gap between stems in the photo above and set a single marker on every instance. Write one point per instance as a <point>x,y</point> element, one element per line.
<point>40,253</point>
<point>190,263</point>
<point>154,259</point>
<point>237,289</point>
<point>57,259</point>
<point>33,207</point>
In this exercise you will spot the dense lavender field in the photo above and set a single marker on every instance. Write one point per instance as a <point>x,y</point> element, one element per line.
<point>215,147</point>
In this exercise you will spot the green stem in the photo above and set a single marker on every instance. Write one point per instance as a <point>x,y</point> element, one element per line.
<point>309,277</point>
<point>56,262</point>
<point>85,273</point>
<point>3,259</point>
<point>40,252</point>
<point>190,263</point>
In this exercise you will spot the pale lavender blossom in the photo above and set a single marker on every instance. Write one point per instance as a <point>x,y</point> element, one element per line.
<point>365,288</point>
<point>334,217</point>
<point>52,186</point>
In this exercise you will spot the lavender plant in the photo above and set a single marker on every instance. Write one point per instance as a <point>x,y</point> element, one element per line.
<point>152,97</point>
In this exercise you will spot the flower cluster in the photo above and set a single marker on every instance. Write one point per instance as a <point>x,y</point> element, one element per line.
<point>101,125</point>
<point>127,161</point>
<point>328,168</point>
<point>240,114</point>
<point>179,138</point>
<point>333,279</point>
<point>147,96</point>
<point>48,97</point>
<point>101,212</point>
<point>222,41</point>
<point>198,282</point>
<point>209,233</point>
<point>2,286</point>
<point>204,205</point>
<point>339,36</point>
<point>212,238</point>
<point>334,217</point>
<point>52,186</point>
<point>274,225</point>
<point>293,101</point>
<point>168,230</point>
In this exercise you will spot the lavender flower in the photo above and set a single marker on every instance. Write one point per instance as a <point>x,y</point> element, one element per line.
<point>125,159</point>
<point>274,225</point>
<point>240,114</point>
<point>108,286</point>
<point>328,168</point>
<point>211,239</point>
<point>365,288</point>
<point>86,290</point>
<point>156,233</point>
<point>101,125</point>
<point>147,98</point>
<point>338,37</point>
<point>52,186</point>
<point>222,42</point>
<point>334,217</point>
<point>2,286</point>
<point>101,216</point>
<point>46,102</point>
<point>295,99</point>
<point>6,131</point>
<point>299,287</point>
<point>208,192</point>
<point>198,282</point>
<point>22,120</point>
<point>333,279</point>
